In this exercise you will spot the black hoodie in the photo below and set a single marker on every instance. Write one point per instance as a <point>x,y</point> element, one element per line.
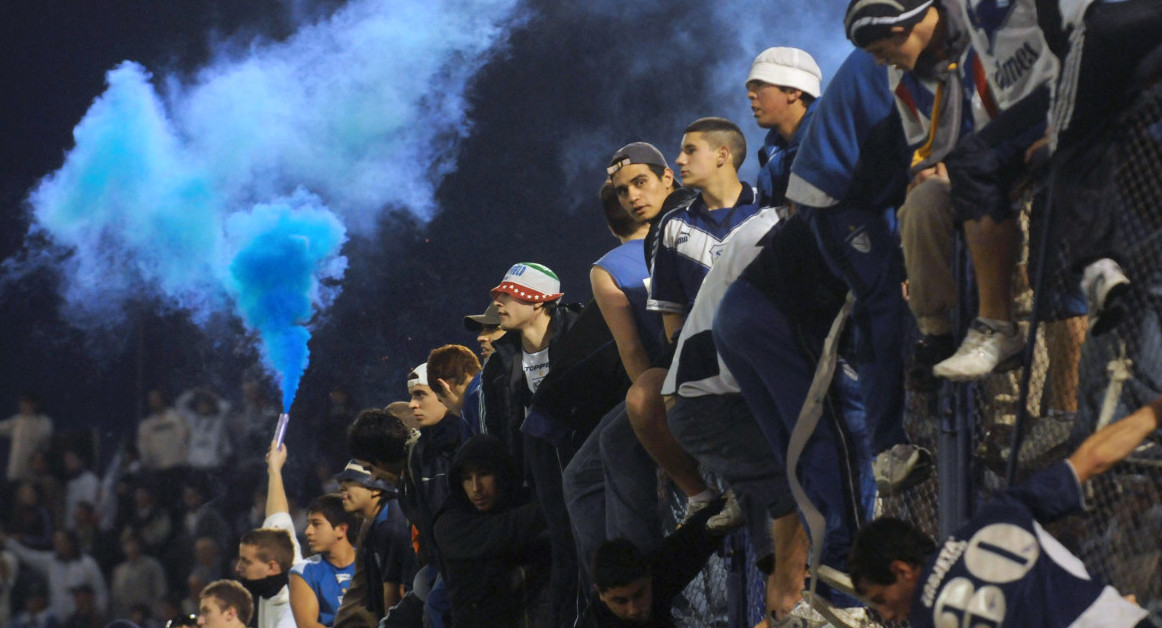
<point>496,562</point>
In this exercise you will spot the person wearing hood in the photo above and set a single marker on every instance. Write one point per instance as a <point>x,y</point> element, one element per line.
<point>494,547</point>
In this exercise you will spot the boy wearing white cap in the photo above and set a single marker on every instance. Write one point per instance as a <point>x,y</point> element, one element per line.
<point>782,87</point>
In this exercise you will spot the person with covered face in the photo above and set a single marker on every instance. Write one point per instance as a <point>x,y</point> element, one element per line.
<point>495,548</point>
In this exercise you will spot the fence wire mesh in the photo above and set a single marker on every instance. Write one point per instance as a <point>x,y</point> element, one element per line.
<point>1078,381</point>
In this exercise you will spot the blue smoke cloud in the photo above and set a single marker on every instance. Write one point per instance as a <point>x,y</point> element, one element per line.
<point>233,191</point>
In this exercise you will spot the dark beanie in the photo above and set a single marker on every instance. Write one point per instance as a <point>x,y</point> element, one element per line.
<point>868,21</point>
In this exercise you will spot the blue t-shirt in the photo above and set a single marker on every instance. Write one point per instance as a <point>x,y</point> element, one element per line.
<point>328,582</point>
<point>1003,569</point>
<point>626,265</point>
<point>689,239</point>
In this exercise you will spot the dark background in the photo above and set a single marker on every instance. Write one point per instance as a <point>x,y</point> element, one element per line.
<point>575,82</point>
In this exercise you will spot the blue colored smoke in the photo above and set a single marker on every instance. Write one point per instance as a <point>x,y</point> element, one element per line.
<point>234,190</point>
<point>290,251</point>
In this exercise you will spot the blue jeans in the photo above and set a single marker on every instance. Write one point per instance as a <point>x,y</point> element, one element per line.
<point>862,247</point>
<point>719,431</point>
<point>611,489</point>
<point>774,366</point>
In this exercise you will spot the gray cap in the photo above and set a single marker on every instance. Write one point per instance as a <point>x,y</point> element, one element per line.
<point>636,153</point>
<point>357,473</point>
<point>476,322</point>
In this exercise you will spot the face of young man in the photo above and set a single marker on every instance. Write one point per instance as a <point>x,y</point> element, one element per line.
<point>212,615</point>
<point>426,408</point>
<point>321,535</point>
<point>514,313</point>
<point>894,601</point>
<point>640,191</point>
<point>904,47</point>
<point>250,566</point>
<point>480,486</point>
<point>356,497</point>
<point>698,161</point>
<point>632,602</point>
<point>769,103</point>
<point>486,337</point>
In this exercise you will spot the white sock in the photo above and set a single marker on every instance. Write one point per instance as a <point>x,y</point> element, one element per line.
<point>1007,328</point>
<point>705,497</point>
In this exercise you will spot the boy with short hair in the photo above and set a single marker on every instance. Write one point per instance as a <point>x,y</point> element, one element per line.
<point>455,374</point>
<point>318,584</point>
<point>688,240</point>
<point>385,559</point>
<point>266,555</point>
<point>634,588</point>
<point>224,604</point>
<point>1002,568</point>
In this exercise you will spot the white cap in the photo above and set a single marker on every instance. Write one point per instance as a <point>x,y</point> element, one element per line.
<point>787,67</point>
<point>418,376</point>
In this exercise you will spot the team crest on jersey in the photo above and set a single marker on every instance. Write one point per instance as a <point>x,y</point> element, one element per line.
<point>860,241</point>
<point>990,16</point>
<point>716,251</point>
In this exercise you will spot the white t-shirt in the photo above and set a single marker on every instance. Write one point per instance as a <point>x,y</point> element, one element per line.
<point>536,367</point>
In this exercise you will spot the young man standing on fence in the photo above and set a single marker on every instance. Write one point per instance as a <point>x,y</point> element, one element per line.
<point>771,326</point>
<point>1002,568</point>
<point>611,456</point>
<point>688,241</point>
<point>1008,68</point>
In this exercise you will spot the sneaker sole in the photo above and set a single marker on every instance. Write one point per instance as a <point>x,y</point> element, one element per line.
<point>1010,363</point>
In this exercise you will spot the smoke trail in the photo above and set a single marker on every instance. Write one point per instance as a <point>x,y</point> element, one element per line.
<point>234,191</point>
<point>671,63</point>
<point>290,250</point>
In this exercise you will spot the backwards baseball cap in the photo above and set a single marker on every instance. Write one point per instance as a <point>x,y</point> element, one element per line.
<point>531,282</point>
<point>636,153</point>
<point>476,322</point>
<point>868,21</point>
<point>787,67</point>
<point>357,473</point>
<point>418,376</point>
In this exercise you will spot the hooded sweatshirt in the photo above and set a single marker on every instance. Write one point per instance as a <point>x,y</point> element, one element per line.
<point>496,561</point>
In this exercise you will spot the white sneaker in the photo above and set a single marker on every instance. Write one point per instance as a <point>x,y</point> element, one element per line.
<point>802,616</point>
<point>1102,283</point>
<point>901,467</point>
<point>727,519</point>
<point>983,351</point>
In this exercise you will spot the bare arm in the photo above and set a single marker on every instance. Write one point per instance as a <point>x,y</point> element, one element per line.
<point>275,491</point>
<point>390,594</point>
<point>618,313</point>
<point>1109,445</point>
<point>304,604</point>
<point>672,323</point>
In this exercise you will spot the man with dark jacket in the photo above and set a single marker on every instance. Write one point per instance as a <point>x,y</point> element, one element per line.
<point>634,589</point>
<point>493,545</point>
<point>539,399</point>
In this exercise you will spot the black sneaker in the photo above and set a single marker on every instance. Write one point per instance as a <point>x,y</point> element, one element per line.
<point>928,351</point>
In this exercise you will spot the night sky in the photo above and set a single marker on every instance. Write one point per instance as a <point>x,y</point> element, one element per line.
<point>565,85</point>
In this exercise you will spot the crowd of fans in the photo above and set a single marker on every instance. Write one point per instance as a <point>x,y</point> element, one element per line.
<point>748,341</point>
